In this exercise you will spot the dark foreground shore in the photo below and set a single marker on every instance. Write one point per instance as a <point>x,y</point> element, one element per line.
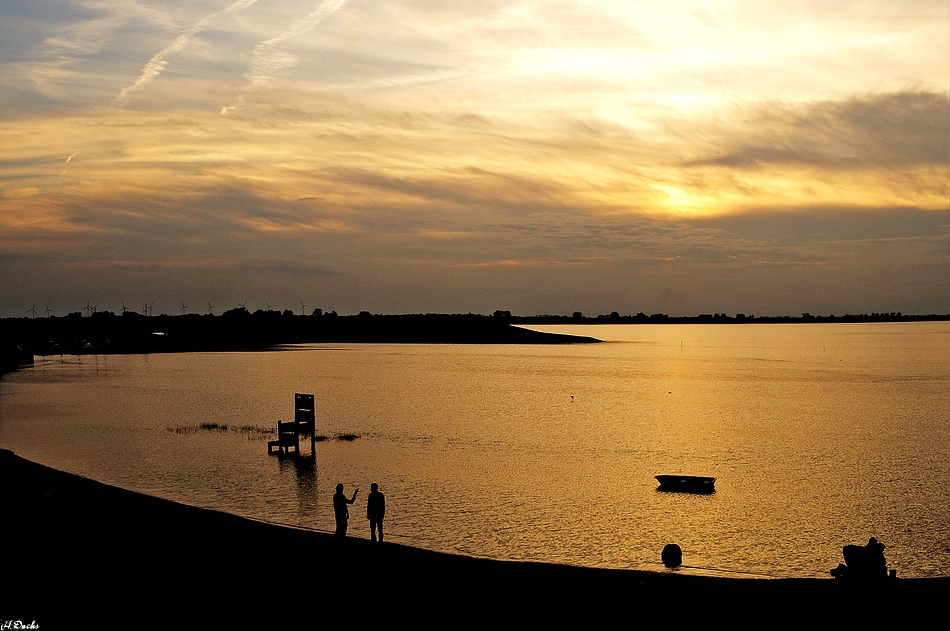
<point>80,554</point>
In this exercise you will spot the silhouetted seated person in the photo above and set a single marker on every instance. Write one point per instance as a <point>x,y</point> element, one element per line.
<point>340,511</point>
<point>863,562</point>
<point>375,511</point>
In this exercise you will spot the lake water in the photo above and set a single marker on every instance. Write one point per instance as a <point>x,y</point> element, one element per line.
<point>819,435</point>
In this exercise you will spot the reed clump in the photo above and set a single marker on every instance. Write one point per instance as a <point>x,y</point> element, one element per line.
<point>213,427</point>
<point>348,436</point>
<point>250,432</point>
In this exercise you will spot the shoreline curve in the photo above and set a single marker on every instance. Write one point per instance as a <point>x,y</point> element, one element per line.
<point>78,550</point>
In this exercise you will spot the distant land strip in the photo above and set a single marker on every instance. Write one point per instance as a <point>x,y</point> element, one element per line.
<point>239,329</point>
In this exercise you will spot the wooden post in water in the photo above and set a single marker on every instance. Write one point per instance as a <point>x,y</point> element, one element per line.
<point>305,416</point>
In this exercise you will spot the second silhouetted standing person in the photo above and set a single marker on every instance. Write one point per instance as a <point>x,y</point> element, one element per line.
<point>375,511</point>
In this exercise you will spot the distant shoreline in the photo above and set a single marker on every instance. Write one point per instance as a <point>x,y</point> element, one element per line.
<point>739,318</point>
<point>130,333</point>
<point>240,330</point>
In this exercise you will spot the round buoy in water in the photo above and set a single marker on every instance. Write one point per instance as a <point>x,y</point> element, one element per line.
<point>672,555</point>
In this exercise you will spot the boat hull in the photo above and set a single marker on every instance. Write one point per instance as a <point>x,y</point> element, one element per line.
<point>686,484</point>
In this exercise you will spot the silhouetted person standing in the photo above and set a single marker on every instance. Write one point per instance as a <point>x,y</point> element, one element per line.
<point>340,511</point>
<point>375,511</point>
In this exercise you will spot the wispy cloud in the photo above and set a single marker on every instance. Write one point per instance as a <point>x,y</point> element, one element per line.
<point>889,130</point>
<point>68,160</point>
<point>269,58</point>
<point>157,63</point>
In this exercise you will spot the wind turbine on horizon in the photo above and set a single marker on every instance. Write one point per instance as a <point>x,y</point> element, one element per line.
<point>48,311</point>
<point>184,307</point>
<point>210,309</point>
<point>32,310</point>
<point>303,308</point>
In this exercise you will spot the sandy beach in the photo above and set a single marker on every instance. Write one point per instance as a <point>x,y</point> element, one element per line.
<point>84,554</point>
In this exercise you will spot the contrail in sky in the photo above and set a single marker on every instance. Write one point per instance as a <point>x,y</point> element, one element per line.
<point>68,160</point>
<point>157,63</point>
<point>268,59</point>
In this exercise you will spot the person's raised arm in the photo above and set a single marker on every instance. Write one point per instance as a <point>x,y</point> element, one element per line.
<point>353,499</point>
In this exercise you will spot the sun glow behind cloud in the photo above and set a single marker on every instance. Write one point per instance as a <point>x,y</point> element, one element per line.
<point>519,131</point>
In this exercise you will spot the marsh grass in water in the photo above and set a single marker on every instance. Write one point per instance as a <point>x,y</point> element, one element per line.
<point>344,436</point>
<point>250,432</point>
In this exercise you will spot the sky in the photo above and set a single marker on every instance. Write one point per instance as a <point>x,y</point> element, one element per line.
<point>409,156</point>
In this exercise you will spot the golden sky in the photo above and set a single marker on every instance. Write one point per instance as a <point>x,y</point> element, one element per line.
<point>422,155</point>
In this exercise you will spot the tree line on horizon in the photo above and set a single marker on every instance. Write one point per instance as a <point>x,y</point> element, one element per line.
<point>241,329</point>
<point>575,317</point>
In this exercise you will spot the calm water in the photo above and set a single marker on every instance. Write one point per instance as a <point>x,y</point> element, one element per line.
<point>819,435</point>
